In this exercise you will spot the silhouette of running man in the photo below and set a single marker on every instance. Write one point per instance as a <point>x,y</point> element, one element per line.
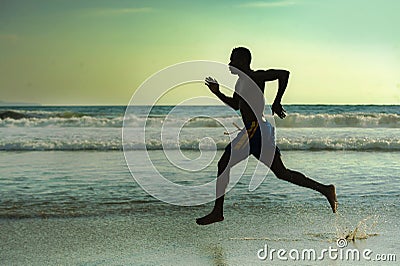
<point>249,139</point>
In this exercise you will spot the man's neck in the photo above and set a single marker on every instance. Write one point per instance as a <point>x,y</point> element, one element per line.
<point>244,72</point>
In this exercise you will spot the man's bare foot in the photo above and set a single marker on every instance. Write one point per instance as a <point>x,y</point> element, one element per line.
<point>330,194</point>
<point>209,219</point>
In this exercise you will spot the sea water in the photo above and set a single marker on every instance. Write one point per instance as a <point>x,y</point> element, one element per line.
<point>68,163</point>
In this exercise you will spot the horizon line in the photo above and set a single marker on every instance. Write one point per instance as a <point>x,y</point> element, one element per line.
<point>55,105</point>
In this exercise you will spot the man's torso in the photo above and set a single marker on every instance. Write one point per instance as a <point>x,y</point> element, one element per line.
<point>251,96</point>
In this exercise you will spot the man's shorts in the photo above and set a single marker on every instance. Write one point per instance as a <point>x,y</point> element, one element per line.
<point>256,139</point>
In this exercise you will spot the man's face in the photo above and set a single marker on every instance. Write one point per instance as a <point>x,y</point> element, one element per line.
<point>236,64</point>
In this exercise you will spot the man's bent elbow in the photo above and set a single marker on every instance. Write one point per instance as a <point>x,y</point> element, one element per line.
<point>286,74</point>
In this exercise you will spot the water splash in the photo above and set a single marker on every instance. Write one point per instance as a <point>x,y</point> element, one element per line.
<point>363,229</point>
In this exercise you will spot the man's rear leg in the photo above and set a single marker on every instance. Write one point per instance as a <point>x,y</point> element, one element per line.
<point>297,178</point>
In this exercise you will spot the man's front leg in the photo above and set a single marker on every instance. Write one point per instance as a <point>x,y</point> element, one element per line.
<point>216,215</point>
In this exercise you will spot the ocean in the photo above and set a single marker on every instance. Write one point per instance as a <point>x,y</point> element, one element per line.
<point>98,128</point>
<point>67,196</point>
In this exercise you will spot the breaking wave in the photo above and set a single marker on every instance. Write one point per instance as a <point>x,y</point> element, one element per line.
<point>314,144</point>
<point>293,120</point>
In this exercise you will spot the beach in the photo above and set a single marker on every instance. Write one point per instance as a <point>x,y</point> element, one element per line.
<point>125,130</point>
<point>68,198</point>
<point>130,231</point>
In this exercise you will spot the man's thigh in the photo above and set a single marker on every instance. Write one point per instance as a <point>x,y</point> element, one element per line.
<point>233,156</point>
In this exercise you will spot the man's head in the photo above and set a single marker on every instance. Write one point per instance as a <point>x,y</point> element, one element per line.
<point>240,59</point>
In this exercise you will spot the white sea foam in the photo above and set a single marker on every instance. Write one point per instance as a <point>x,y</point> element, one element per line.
<point>356,144</point>
<point>294,120</point>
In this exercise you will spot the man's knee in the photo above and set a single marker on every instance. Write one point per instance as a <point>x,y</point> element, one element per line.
<point>280,171</point>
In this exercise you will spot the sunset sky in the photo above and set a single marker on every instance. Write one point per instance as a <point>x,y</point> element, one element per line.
<point>99,52</point>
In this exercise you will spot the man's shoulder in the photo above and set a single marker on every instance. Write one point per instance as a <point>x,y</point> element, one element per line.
<point>259,74</point>
<point>260,71</point>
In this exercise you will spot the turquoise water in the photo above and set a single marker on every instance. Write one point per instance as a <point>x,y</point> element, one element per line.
<point>64,184</point>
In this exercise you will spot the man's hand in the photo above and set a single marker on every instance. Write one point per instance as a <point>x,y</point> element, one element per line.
<point>212,84</point>
<point>278,109</point>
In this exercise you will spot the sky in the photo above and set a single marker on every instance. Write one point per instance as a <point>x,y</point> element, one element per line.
<point>62,52</point>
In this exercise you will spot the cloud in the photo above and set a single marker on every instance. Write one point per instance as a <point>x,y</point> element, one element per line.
<point>117,11</point>
<point>265,4</point>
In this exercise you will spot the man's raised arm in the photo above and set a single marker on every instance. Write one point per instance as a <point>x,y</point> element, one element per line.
<point>213,85</point>
<point>283,77</point>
